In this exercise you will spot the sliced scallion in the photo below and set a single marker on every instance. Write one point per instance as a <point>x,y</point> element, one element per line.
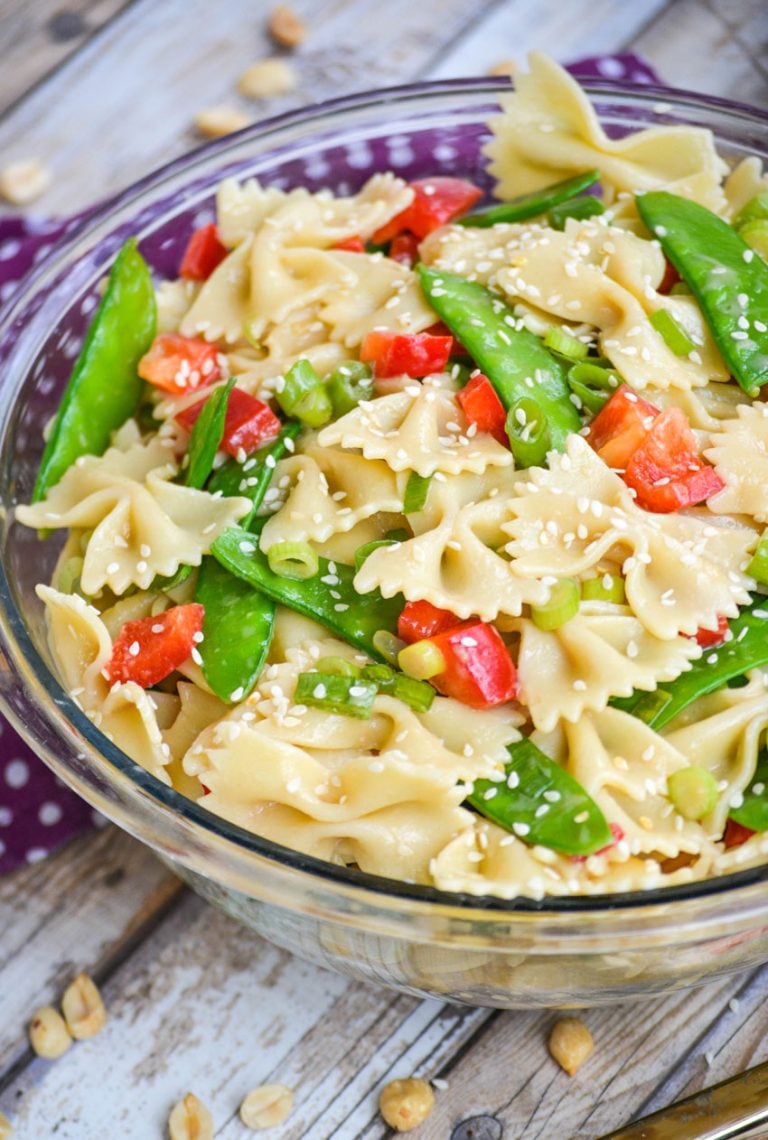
<point>758,566</point>
<point>605,588</point>
<point>390,539</point>
<point>672,333</point>
<point>578,208</point>
<point>528,433</point>
<point>304,395</point>
<point>563,604</point>
<point>340,666</point>
<point>756,210</point>
<point>348,384</point>
<point>293,560</point>
<point>561,342</point>
<point>418,695</point>
<point>421,660</point>
<point>388,645</point>
<point>693,791</point>
<point>349,696</point>
<point>755,234</point>
<point>315,408</point>
<point>416,491</point>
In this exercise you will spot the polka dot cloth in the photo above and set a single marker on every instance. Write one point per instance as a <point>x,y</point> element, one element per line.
<point>37,812</point>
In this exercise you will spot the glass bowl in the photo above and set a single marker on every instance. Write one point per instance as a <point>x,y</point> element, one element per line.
<point>558,952</point>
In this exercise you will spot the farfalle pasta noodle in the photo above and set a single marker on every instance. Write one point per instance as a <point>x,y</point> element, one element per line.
<point>490,539</point>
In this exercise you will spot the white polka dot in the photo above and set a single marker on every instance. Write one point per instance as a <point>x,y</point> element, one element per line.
<point>444,152</point>
<point>16,773</point>
<point>9,249</point>
<point>88,305</point>
<point>49,813</point>
<point>7,289</point>
<point>6,816</point>
<point>611,67</point>
<point>359,156</point>
<point>35,854</point>
<point>203,218</point>
<point>316,167</point>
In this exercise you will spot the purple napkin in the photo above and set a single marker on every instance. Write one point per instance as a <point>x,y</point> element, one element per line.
<point>37,812</point>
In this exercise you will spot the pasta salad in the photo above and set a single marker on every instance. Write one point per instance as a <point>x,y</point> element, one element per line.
<point>427,537</point>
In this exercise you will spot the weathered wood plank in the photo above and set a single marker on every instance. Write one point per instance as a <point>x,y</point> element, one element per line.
<point>36,38</point>
<point>693,46</point>
<point>125,103</point>
<point>512,29</point>
<point>77,910</point>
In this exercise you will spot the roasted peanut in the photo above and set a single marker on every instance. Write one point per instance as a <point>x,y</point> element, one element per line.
<point>215,122</point>
<point>83,1008</point>
<point>23,181</point>
<point>503,67</point>
<point>266,1106</point>
<point>267,77</point>
<point>48,1033</point>
<point>190,1120</point>
<point>286,27</point>
<point>406,1103</point>
<point>570,1043</point>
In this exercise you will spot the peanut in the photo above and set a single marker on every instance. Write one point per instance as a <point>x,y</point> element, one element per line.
<point>48,1034</point>
<point>23,181</point>
<point>266,1106</point>
<point>83,1008</point>
<point>570,1043</point>
<point>503,67</point>
<point>286,27</point>
<point>215,122</point>
<point>404,1104</point>
<point>190,1120</point>
<point>267,77</point>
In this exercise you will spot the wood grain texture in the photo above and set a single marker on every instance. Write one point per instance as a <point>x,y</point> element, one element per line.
<point>78,910</point>
<point>36,38</point>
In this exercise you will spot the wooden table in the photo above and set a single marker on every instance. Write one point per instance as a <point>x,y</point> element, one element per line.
<point>102,91</point>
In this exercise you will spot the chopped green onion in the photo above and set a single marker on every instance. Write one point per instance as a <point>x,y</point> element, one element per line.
<point>671,332</point>
<point>528,432</point>
<point>348,384</point>
<point>459,372</point>
<point>579,208</point>
<point>248,333</point>
<point>386,644</point>
<point>293,560</point>
<point>756,210</point>
<point>561,342</point>
<point>755,234</point>
<point>758,567</point>
<point>340,666</point>
<point>646,707</point>
<point>390,539</point>
<point>421,660</point>
<point>349,696</point>
<point>315,409</point>
<point>563,604</point>
<point>693,791</point>
<point>418,695</point>
<point>592,384</point>
<point>605,588</point>
<point>416,491</point>
<point>300,378</point>
<point>68,581</point>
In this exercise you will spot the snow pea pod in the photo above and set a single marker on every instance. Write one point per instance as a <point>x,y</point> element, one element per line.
<point>727,278</point>
<point>753,812</point>
<point>104,387</point>
<point>237,630</point>
<point>541,803</point>
<point>532,205</point>
<point>515,360</point>
<point>329,597</point>
<point>251,478</point>
<point>206,436</point>
<point>746,649</point>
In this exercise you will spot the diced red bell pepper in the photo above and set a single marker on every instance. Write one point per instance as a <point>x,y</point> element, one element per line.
<point>708,638</point>
<point>354,244</point>
<point>149,649</point>
<point>482,406</point>
<point>670,278</point>
<point>180,364</point>
<point>249,422</point>
<point>409,354</point>
<point>435,201</point>
<point>736,834</point>
<point>621,426</point>
<point>404,248</point>
<point>203,253</point>
<point>421,619</point>
<point>666,471</point>
<point>478,669</point>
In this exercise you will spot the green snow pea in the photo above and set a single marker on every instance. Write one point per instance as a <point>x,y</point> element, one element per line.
<point>104,387</point>
<point>329,597</point>
<point>206,436</point>
<point>237,630</point>
<point>534,204</point>
<point>578,208</point>
<point>747,649</point>
<point>515,360</point>
<point>727,278</point>
<point>753,812</point>
<point>251,478</point>
<point>541,803</point>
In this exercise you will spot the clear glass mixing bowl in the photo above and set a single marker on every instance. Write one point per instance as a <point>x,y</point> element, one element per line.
<point>569,952</point>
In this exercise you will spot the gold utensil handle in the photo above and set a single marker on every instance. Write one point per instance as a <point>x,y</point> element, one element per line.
<point>733,1108</point>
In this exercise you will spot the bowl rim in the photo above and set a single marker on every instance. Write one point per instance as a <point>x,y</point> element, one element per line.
<point>19,646</point>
